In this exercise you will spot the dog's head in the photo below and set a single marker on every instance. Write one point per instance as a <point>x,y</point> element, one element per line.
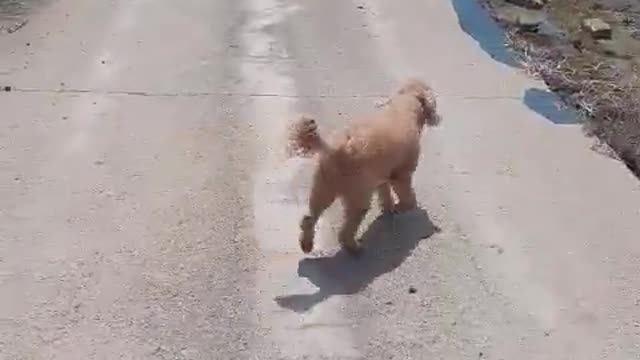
<point>425,96</point>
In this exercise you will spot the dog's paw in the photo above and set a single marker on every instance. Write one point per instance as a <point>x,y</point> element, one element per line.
<point>306,245</point>
<point>306,242</point>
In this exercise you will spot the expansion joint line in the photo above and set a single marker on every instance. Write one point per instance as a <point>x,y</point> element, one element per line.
<point>79,91</point>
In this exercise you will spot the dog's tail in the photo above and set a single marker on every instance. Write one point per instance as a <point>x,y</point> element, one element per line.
<point>304,139</point>
<point>429,105</point>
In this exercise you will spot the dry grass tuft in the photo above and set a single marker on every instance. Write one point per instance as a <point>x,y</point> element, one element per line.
<point>595,88</point>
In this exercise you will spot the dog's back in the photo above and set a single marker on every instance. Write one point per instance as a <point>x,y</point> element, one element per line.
<point>377,144</point>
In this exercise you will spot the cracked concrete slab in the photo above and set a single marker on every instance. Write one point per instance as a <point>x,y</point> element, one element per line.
<point>147,212</point>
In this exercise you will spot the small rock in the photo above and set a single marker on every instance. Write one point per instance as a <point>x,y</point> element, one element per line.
<point>524,19</point>
<point>28,44</point>
<point>389,302</point>
<point>412,290</point>
<point>597,28</point>
<point>499,249</point>
<point>529,23</point>
<point>530,4</point>
<point>99,162</point>
<point>360,7</point>
<point>7,88</point>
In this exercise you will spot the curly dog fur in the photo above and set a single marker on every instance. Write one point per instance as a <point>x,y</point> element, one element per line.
<point>376,153</point>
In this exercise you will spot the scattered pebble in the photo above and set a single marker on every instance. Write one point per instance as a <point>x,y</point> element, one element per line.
<point>17,26</point>
<point>499,249</point>
<point>412,290</point>
<point>529,4</point>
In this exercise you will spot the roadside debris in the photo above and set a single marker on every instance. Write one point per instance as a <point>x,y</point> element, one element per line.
<point>587,53</point>
<point>13,28</point>
<point>529,4</point>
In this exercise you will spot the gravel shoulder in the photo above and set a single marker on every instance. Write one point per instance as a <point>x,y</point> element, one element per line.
<point>587,52</point>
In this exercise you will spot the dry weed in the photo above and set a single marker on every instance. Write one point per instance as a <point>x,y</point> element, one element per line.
<point>594,88</point>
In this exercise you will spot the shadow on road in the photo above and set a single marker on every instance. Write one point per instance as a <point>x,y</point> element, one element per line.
<point>389,240</point>
<point>545,103</point>
<point>477,23</point>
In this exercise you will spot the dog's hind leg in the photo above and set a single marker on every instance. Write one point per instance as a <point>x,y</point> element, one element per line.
<point>322,196</point>
<point>356,206</point>
<point>403,187</point>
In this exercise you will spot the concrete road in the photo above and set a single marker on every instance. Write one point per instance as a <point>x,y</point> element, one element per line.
<point>146,211</point>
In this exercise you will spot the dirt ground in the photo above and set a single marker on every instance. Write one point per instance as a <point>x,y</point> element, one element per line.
<point>598,77</point>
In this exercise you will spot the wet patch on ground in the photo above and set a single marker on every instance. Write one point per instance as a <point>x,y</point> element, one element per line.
<point>587,52</point>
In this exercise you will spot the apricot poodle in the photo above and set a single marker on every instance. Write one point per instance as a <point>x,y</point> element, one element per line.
<point>376,153</point>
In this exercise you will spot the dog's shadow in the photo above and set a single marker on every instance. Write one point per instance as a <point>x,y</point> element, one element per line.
<point>388,241</point>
